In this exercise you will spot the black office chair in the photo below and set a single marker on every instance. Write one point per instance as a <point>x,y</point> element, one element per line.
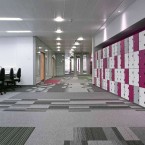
<point>2,80</point>
<point>18,77</point>
<point>10,80</point>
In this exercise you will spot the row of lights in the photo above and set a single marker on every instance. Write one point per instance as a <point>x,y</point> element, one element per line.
<point>46,50</point>
<point>58,19</point>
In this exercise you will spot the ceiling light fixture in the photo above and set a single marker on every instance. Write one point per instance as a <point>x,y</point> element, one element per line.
<point>59,19</point>
<point>58,38</point>
<point>58,49</point>
<point>40,47</point>
<point>10,19</point>
<point>119,11</point>
<point>58,31</point>
<point>39,52</point>
<point>19,31</point>
<point>46,50</point>
<point>58,43</point>
<point>77,43</point>
<point>80,39</point>
<point>74,47</point>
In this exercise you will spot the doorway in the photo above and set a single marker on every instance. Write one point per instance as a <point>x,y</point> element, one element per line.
<point>42,66</point>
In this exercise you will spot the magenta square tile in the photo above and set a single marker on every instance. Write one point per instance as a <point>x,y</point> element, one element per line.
<point>103,73</point>
<point>122,49</point>
<point>131,93</point>
<point>108,85</point>
<point>136,42</point>
<point>115,62</point>
<point>105,63</point>
<point>142,59</point>
<point>122,60</point>
<point>142,78</point>
<point>119,89</point>
<point>102,54</point>
<point>110,51</point>
<point>126,76</point>
<point>113,74</point>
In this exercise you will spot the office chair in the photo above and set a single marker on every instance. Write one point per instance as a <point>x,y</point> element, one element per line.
<point>10,80</point>
<point>18,77</point>
<point>2,80</point>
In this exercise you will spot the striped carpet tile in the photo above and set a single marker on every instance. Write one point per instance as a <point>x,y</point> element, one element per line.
<point>14,135</point>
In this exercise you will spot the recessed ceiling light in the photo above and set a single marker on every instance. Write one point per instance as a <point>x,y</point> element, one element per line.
<point>40,47</point>
<point>19,31</point>
<point>58,31</point>
<point>59,19</point>
<point>58,47</point>
<point>77,43</point>
<point>46,50</point>
<point>80,39</point>
<point>105,20</point>
<point>10,19</point>
<point>74,47</point>
<point>39,52</point>
<point>58,38</point>
<point>58,43</point>
<point>119,11</point>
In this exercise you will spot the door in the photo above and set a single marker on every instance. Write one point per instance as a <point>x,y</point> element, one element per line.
<point>42,66</point>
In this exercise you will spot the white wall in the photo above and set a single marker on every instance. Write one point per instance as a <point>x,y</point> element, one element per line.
<point>130,16</point>
<point>18,52</point>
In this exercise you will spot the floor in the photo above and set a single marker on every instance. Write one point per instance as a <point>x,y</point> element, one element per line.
<point>69,111</point>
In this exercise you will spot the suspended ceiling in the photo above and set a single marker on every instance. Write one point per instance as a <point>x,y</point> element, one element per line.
<point>83,18</point>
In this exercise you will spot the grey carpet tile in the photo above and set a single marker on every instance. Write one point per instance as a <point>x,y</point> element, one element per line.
<point>85,134</point>
<point>115,102</point>
<point>7,102</point>
<point>101,143</point>
<point>134,143</point>
<point>58,107</point>
<point>127,134</point>
<point>25,102</point>
<point>118,134</point>
<point>140,109</point>
<point>38,106</point>
<point>42,102</point>
<point>80,110</point>
<point>139,132</point>
<point>15,109</point>
<point>4,106</point>
<point>110,134</point>
<point>75,143</point>
<point>14,135</point>
<point>36,110</point>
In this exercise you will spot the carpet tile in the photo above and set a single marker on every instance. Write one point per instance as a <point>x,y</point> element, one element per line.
<point>14,135</point>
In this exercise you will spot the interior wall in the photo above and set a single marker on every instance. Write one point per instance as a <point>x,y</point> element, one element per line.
<point>120,68</point>
<point>17,52</point>
<point>130,16</point>
<point>42,47</point>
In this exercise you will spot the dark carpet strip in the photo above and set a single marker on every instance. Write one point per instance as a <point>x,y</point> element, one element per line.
<point>14,135</point>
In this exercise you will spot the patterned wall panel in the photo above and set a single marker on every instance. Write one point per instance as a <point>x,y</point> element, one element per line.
<point>120,68</point>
